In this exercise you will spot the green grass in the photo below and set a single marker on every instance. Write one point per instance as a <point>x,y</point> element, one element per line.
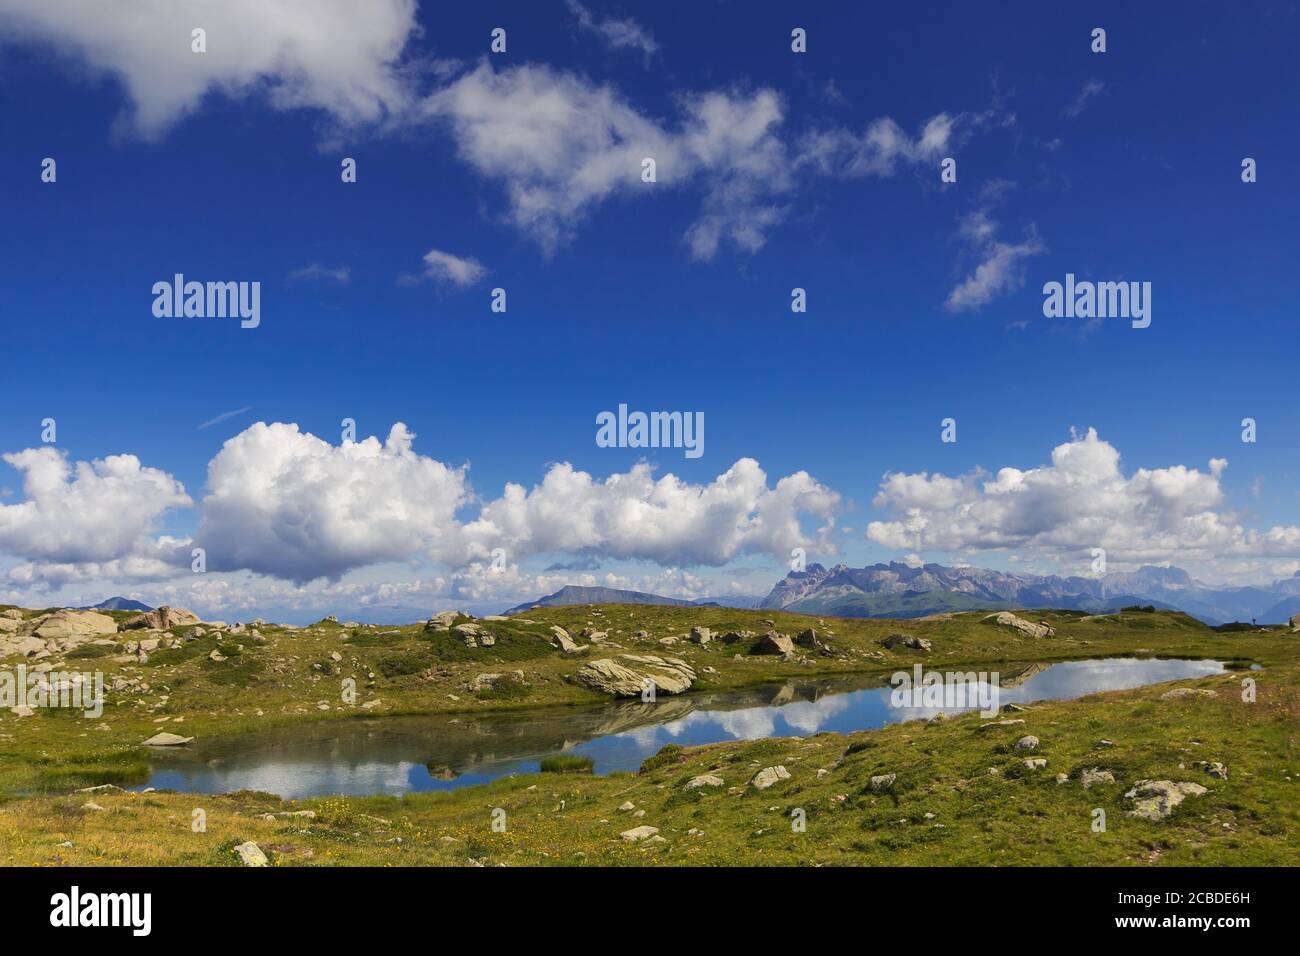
<point>1013,816</point>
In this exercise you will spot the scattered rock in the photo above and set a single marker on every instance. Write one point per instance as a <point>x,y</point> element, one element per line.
<point>883,782</point>
<point>167,740</point>
<point>700,635</point>
<point>1178,692</point>
<point>639,833</point>
<point>1157,799</point>
<point>1095,776</point>
<point>704,780</point>
<point>627,806</point>
<point>563,641</point>
<point>670,675</point>
<point>808,638</point>
<point>1215,769</point>
<point>160,619</point>
<point>1007,619</point>
<point>1036,763</point>
<point>768,776</point>
<point>907,640</point>
<point>250,854</point>
<point>990,724</point>
<point>1027,742</point>
<point>774,643</point>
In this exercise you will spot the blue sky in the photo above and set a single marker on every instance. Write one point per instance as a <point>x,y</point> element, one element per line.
<point>1123,165</point>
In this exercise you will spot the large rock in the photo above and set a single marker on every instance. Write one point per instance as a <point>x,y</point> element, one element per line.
<point>1028,628</point>
<point>701,635</point>
<point>1157,799</point>
<point>8,625</point>
<point>165,739</point>
<point>774,643</point>
<point>160,619</point>
<point>704,780</point>
<point>1295,622</point>
<point>768,776</point>
<point>564,641</point>
<point>468,632</point>
<point>907,640</point>
<point>250,854</point>
<point>671,675</point>
<point>808,638</point>
<point>636,834</point>
<point>75,624</point>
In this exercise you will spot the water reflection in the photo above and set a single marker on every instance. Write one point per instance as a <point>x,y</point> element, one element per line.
<point>400,754</point>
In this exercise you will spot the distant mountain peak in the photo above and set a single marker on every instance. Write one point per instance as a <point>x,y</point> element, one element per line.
<point>117,603</point>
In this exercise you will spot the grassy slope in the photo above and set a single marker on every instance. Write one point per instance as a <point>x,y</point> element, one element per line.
<point>1016,816</point>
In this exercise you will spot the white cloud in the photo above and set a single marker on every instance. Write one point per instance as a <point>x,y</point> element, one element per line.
<point>884,146</point>
<point>624,34</point>
<point>443,267</point>
<point>561,145</point>
<point>1000,269</point>
<point>288,504</point>
<point>1081,501</point>
<point>665,520</point>
<point>99,514</point>
<point>340,56</point>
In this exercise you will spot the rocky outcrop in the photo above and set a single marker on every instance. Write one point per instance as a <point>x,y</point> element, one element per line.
<point>670,675</point>
<point>250,854</point>
<point>1028,628</point>
<point>75,624</point>
<point>1157,799</point>
<point>160,619</point>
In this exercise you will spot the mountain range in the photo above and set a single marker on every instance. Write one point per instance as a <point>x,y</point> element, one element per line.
<point>579,594</point>
<point>902,590</point>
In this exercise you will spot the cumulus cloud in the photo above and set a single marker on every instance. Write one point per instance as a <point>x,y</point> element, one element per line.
<point>77,517</point>
<point>288,504</point>
<point>617,34</point>
<point>340,56</point>
<point>1082,500</point>
<point>665,520</point>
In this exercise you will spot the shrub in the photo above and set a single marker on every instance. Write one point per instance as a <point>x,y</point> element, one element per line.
<point>567,763</point>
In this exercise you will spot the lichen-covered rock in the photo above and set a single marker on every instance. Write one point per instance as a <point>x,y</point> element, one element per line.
<point>670,675</point>
<point>1028,628</point>
<point>769,776</point>
<point>1157,799</point>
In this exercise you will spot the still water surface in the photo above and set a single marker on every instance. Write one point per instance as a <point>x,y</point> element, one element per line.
<point>395,755</point>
